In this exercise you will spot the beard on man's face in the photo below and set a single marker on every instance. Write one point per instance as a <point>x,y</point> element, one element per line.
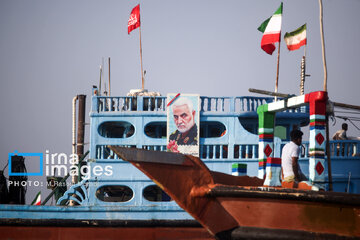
<point>184,127</point>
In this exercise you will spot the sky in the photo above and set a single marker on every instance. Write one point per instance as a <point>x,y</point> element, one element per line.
<point>50,51</point>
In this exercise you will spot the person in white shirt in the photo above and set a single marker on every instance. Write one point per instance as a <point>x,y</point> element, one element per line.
<point>290,158</point>
<point>341,134</point>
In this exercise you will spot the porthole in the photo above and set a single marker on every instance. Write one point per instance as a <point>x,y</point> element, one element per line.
<point>155,130</point>
<point>115,129</point>
<point>114,193</point>
<point>212,129</point>
<point>154,193</point>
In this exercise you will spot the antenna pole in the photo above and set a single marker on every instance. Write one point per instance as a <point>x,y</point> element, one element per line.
<point>109,74</point>
<point>100,79</point>
<point>302,76</point>
<point>142,72</point>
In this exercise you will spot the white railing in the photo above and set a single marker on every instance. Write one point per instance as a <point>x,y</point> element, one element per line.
<point>158,104</point>
<point>338,149</point>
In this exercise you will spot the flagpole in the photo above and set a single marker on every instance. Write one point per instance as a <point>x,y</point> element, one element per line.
<point>109,74</point>
<point>142,72</point>
<point>277,71</point>
<point>303,73</point>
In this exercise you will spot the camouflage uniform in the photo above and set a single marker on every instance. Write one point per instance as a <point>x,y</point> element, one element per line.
<point>188,138</point>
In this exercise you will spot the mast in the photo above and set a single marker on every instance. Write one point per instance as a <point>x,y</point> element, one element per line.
<point>325,89</point>
<point>80,127</point>
<point>100,79</point>
<point>109,74</point>
<point>303,74</point>
<point>323,45</point>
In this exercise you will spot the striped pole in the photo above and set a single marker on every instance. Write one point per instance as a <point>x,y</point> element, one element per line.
<point>317,103</point>
<point>266,137</point>
<point>273,172</point>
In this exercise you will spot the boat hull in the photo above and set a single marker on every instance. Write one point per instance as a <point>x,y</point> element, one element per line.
<point>224,203</point>
<point>293,215</point>
<point>105,229</point>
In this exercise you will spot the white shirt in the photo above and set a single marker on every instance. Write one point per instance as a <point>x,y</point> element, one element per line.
<point>289,150</point>
<point>340,135</point>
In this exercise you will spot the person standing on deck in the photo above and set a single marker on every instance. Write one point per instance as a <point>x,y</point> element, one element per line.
<point>341,134</point>
<point>290,158</point>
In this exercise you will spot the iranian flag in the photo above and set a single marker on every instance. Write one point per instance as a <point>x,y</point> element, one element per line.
<point>296,39</point>
<point>271,28</point>
<point>37,199</point>
<point>134,19</point>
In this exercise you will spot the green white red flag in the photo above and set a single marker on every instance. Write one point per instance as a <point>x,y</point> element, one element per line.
<point>37,199</point>
<point>271,28</point>
<point>294,40</point>
<point>134,19</point>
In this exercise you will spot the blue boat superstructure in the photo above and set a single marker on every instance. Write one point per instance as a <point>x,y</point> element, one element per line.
<point>228,135</point>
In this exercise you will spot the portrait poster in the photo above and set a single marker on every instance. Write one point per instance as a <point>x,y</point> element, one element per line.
<point>183,123</point>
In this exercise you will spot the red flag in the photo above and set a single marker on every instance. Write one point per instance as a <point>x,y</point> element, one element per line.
<point>134,20</point>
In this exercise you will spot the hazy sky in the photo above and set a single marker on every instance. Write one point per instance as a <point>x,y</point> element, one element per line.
<point>50,51</point>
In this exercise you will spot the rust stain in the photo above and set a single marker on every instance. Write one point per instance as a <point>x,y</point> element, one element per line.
<point>330,218</point>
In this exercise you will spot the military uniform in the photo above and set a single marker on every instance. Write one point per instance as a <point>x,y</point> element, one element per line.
<point>188,138</point>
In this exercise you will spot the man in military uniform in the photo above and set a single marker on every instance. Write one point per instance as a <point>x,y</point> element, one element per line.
<point>184,118</point>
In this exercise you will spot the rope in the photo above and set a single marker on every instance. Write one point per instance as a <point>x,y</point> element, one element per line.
<point>350,120</point>
<point>347,112</point>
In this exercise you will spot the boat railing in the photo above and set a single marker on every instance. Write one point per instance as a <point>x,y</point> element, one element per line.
<point>207,152</point>
<point>129,104</point>
<point>339,149</point>
<point>232,104</point>
<point>347,149</point>
<point>224,151</point>
<point>158,104</point>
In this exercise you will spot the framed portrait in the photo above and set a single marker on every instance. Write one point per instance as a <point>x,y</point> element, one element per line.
<point>183,123</point>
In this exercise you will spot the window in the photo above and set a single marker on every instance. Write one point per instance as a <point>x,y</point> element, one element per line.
<point>114,193</point>
<point>155,130</point>
<point>211,129</point>
<point>154,193</point>
<point>116,129</point>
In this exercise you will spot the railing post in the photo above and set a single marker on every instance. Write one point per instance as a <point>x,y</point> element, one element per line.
<point>95,104</point>
<point>232,104</point>
<point>140,103</point>
<point>209,104</point>
<point>202,100</point>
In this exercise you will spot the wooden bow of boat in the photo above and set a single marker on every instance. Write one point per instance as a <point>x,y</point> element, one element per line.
<point>229,206</point>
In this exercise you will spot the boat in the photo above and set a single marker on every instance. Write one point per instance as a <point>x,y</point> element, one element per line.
<point>240,207</point>
<point>128,203</point>
<point>257,207</point>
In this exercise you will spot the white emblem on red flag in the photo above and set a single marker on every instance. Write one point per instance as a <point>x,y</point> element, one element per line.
<point>134,20</point>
